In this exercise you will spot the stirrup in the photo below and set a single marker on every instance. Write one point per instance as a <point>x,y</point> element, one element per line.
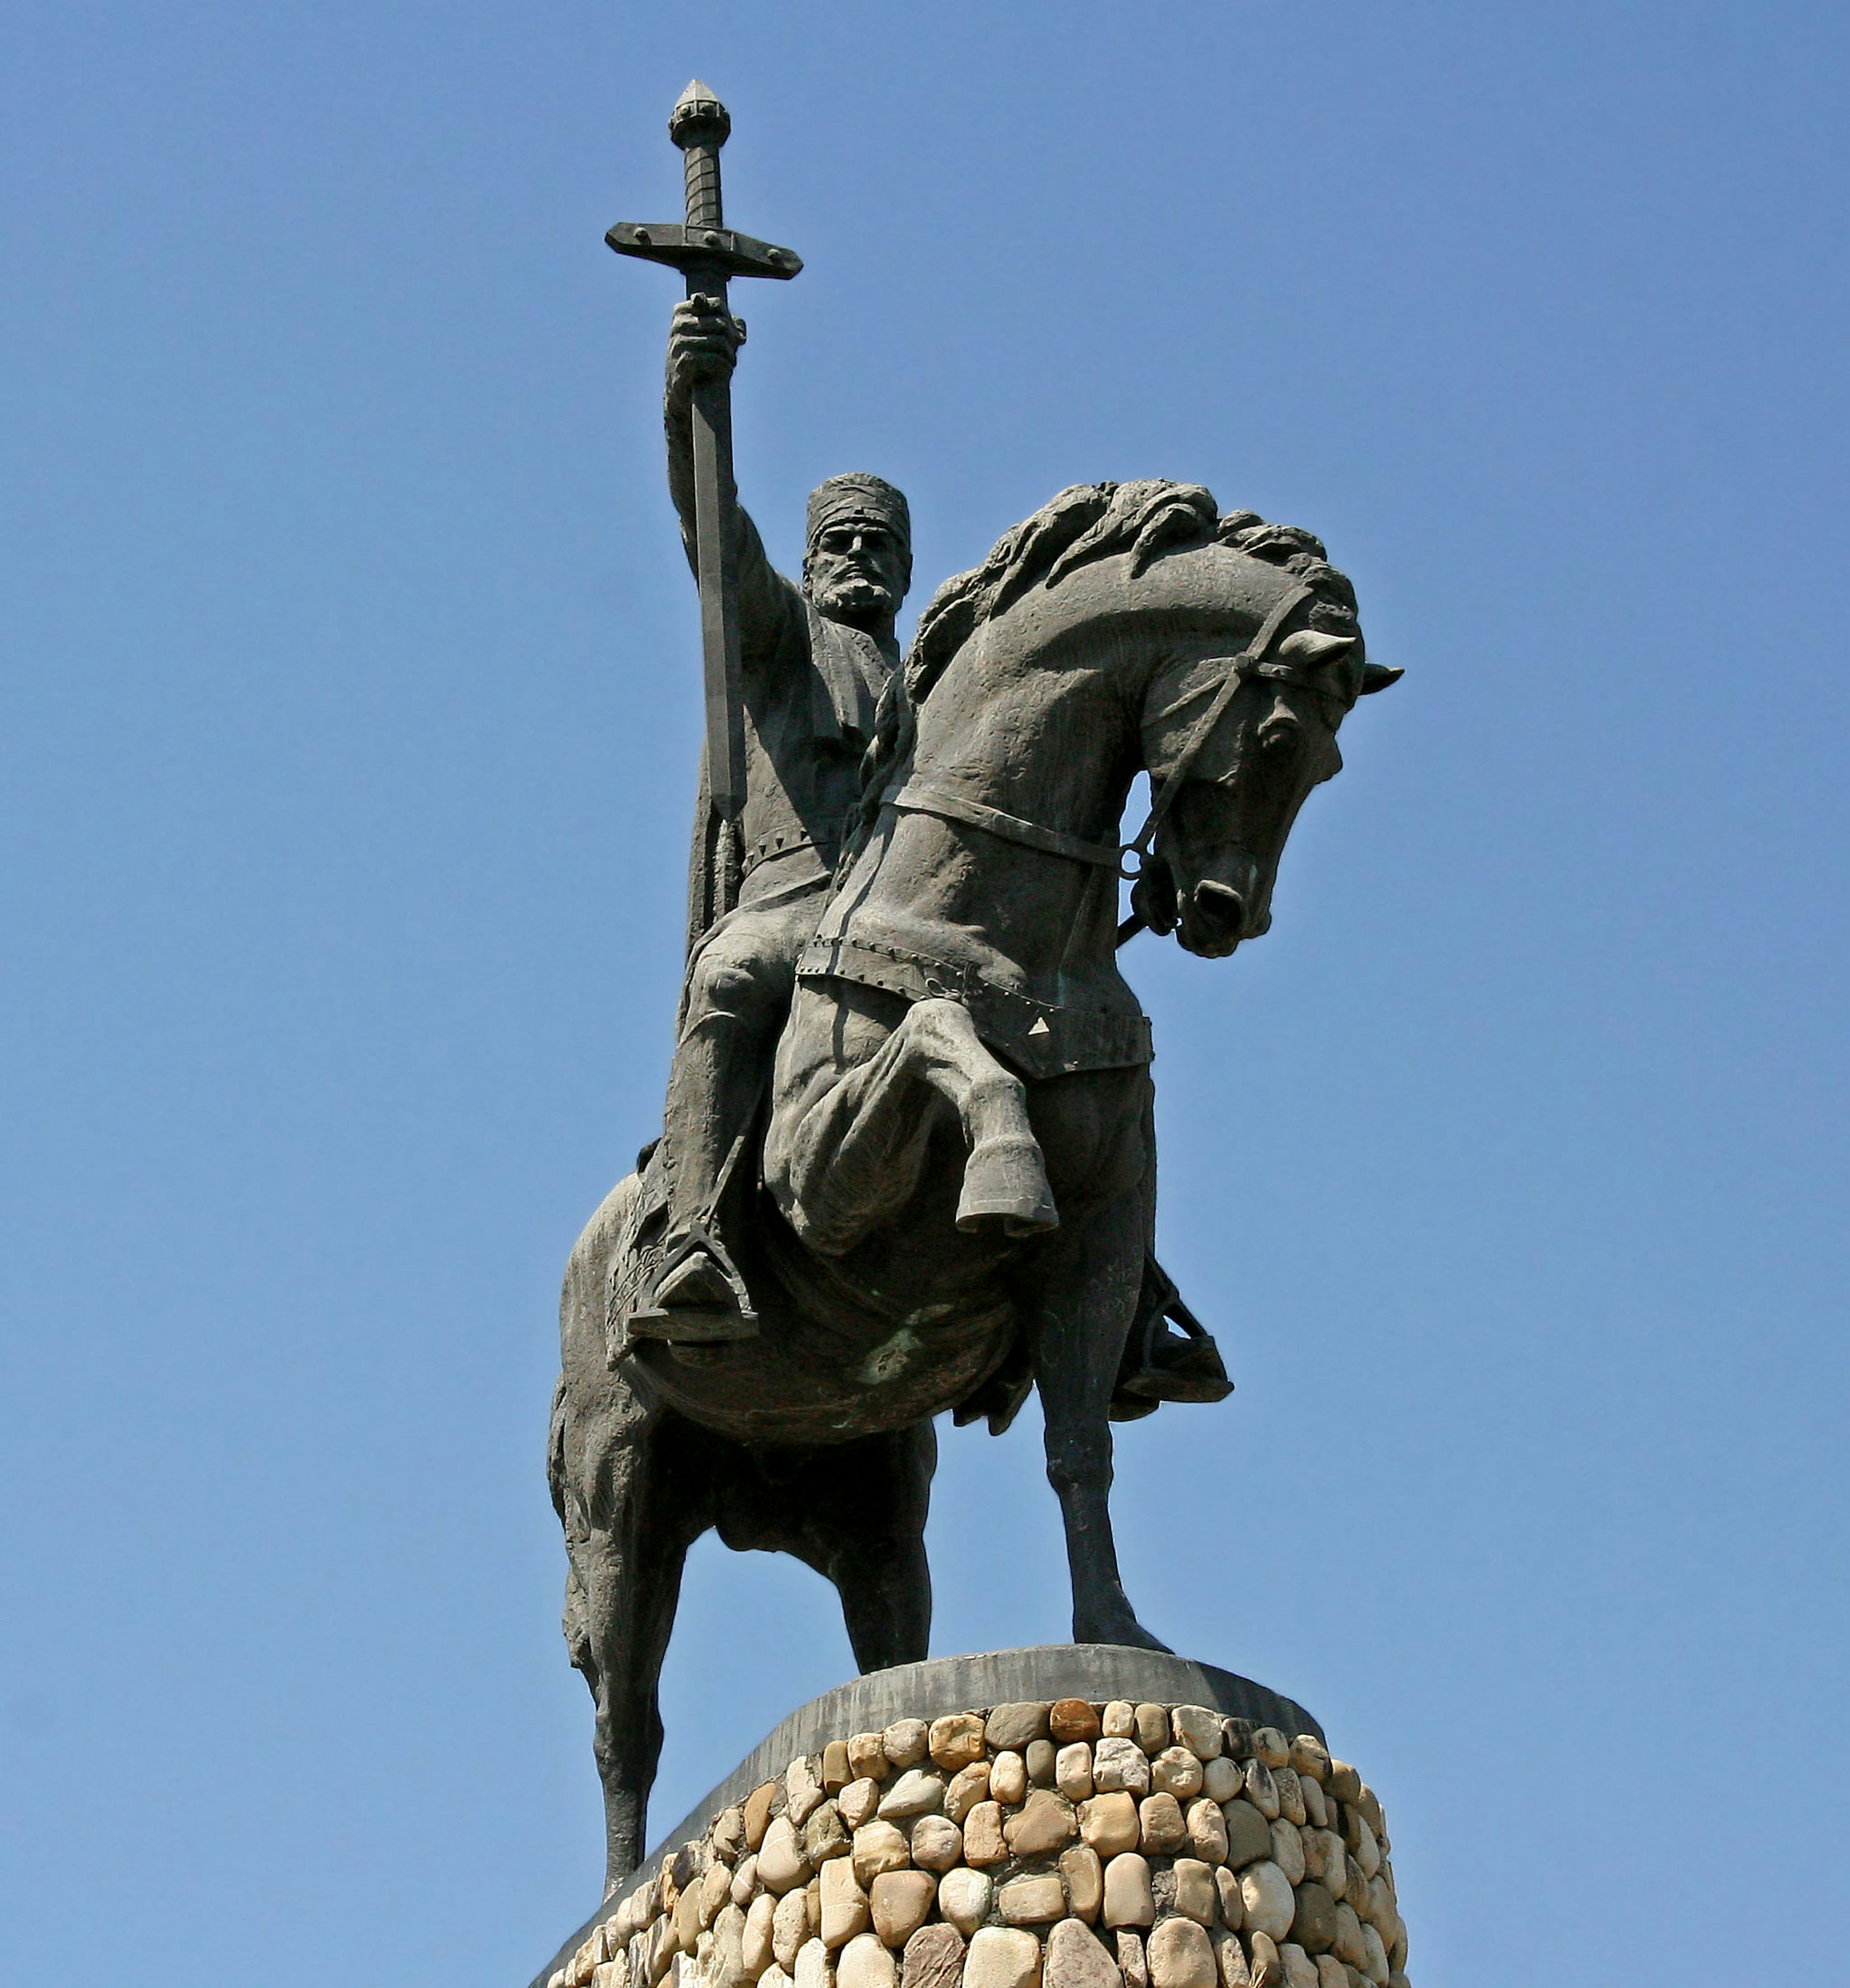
<point>721,1313</point>
<point>1160,1366</point>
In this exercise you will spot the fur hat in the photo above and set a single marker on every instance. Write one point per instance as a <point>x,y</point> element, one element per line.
<point>857,499</point>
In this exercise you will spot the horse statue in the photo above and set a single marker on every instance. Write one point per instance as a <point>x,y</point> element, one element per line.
<point>952,1194</point>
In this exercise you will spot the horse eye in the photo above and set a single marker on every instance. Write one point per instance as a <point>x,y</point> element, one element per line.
<point>1277,741</point>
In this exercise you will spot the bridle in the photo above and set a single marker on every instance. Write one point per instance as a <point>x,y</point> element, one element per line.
<point>921,793</point>
<point>1251,662</point>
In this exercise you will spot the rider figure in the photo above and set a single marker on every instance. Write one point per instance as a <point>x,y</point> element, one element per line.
<point>815,660</point>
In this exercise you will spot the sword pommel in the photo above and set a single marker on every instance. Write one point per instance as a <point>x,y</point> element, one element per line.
<point>707,252</point>
<point>699,118</point>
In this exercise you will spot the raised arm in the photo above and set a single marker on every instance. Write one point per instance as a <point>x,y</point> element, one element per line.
<point>704,341</point>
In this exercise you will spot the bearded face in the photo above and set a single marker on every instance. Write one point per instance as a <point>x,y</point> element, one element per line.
<point>857,570</point>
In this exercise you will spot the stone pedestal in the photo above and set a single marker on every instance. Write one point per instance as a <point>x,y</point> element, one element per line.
<point>1077,1816</point>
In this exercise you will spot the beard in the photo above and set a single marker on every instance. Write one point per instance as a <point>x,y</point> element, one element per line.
<point>856,593</point>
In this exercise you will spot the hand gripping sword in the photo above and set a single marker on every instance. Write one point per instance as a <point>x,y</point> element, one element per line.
<point>708,254</point>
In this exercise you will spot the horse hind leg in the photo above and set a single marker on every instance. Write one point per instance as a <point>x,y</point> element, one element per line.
<point>629,1563</point>
<point>630,1506</point>
<point>854,1158</point>
<point>878,1562</point>
<point>870,1546</point>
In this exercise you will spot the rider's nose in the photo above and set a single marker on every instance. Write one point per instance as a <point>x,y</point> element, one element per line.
<point>1221,906</point>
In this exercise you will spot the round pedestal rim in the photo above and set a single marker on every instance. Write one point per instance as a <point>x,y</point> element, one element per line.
<point>972,1681</point>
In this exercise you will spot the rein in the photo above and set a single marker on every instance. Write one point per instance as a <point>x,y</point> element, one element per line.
<point>1251,662</point>
<point>921,794</point>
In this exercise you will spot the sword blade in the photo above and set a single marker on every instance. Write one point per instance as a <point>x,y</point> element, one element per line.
<point>699,126</point>
<point>719,644</point>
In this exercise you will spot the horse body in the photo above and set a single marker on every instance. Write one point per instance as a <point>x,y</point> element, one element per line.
<point>958,1171</point>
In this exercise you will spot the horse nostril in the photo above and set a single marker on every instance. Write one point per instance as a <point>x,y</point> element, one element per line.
<point>1222,904</point>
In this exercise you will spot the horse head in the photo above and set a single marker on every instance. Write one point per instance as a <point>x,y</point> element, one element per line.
<point>1249,655</point>
<point>1233,746</point>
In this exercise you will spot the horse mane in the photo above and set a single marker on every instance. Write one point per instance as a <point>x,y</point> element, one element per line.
<point>1086,522</point>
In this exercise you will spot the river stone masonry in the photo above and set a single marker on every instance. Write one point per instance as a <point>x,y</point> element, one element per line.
<point>1073,1844</point>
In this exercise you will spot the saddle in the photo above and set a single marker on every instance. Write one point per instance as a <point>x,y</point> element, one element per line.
<point>1159,1364</point>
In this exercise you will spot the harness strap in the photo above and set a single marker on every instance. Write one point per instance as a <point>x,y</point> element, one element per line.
<point>922,795</point>
<point>1250,660</point>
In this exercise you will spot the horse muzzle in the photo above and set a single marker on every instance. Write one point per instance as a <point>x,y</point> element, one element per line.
<point>1216,917</point>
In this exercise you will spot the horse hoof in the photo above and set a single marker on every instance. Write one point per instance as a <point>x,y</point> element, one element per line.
<point>1005,1186</point>
<point>1124,1633</point>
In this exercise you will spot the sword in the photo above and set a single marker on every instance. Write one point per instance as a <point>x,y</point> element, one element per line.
<point>708,254</point>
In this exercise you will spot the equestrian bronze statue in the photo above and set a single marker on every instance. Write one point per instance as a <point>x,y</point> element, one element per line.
<point>908,1164</point>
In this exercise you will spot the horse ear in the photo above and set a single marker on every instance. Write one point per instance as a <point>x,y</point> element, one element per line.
<point>1378,676</point>
<point>1312,646</point>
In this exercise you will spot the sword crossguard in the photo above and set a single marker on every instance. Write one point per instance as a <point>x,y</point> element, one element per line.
<point>698,250</point>
<point>702,247</point>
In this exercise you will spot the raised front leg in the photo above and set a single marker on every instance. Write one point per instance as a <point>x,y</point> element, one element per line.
<point>843,1154</point>
<point>1079,1298</point>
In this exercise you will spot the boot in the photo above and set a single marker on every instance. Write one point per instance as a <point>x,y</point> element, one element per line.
<point>1160,1365</point>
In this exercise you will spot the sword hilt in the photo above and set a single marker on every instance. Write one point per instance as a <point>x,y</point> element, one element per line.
<point>699,125</point>
<point>703,248</point>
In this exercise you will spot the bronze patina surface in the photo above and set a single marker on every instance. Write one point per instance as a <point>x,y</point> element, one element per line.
<point>907,1164</point>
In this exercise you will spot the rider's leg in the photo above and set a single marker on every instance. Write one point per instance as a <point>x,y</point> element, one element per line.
<point>738,991</point>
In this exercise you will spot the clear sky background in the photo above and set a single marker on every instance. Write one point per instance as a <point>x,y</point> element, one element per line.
<point>347,740</point>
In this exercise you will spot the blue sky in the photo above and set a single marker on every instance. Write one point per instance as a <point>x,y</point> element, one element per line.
<point>347,732</point>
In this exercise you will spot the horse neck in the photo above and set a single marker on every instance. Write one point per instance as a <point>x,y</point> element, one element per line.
<point>1046,728</point>
<point>1047,734</point>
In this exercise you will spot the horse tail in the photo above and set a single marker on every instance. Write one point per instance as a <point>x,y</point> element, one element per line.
<point>555,1449</point>
<point>575,1618</point>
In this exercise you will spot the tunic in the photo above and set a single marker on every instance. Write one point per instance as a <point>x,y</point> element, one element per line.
<point>811,691</point>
